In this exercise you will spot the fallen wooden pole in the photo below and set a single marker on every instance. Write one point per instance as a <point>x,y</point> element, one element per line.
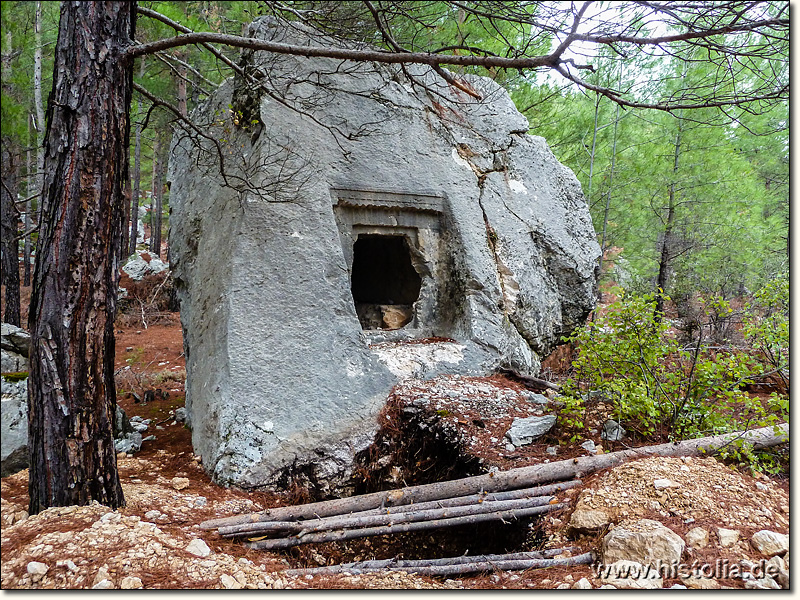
<point>347,534</point>
<point>502,565</point>
<point>490,564</point>
<point>530,382</point>
<point>430,562</point>
<point>508,480</point>
<point>357,520</point>
<point>533,492</point>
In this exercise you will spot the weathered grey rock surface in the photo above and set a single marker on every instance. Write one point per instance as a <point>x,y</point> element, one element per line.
<point>340,165</point>
<point>612,431</point>
<point>770,543</point>
<point>13,426</point>
<point>523,431</point>
<point>138,267</point>
<point>14,348</point>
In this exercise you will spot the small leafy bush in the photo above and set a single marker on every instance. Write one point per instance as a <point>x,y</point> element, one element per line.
<point>635,362</point>
<point>766,326</point>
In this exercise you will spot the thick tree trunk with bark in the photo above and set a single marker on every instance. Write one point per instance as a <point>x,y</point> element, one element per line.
<point>8,236</point>
<point>72,396</point>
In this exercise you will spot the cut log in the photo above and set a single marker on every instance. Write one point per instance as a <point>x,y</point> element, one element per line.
<point>280,514</point>
<point>472,499</point>
<point>501,565</point>
<point>387,563</point>
<point>360,520</point>
<point>348,534</point>
<point>530,382</point>
<point>471,566</point>
<point>509,480</point>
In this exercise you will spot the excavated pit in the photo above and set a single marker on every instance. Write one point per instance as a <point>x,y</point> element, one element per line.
<point>418,443</point>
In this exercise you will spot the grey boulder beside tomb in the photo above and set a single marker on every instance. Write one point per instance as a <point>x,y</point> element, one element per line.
<point>525,431</point>
<point>14,348</point>
<point>384,192</point>
<point>13,426</point>
<point>612,431</point>
<point>138,267</point>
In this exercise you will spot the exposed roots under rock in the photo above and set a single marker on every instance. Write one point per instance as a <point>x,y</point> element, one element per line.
<point>418,444</point>
<point>413,446</point>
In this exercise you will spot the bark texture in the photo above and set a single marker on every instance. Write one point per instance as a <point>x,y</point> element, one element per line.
<point>72,397</point>
<point>455,566</point>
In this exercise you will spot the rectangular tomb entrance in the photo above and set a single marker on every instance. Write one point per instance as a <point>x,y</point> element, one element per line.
<point>393,247</point>
<point>384,283</point>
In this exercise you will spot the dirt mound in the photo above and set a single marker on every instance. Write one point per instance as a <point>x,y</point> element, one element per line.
<point>692,490</point>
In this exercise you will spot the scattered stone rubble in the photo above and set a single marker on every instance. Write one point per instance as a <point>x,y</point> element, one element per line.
<point>93,547</point>
<point>728,497</point>
<point>685,491</point>
<point>128,432</point>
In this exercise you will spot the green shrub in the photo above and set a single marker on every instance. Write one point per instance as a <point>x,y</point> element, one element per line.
<point>636,363</point>
<point>766,326</point>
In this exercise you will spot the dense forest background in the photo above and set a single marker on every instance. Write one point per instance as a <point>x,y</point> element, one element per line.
<point>694,201</point>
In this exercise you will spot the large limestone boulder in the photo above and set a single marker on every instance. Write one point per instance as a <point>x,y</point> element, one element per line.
<point>142,264</point>
<point>643,541</point>
<point>770,543</point>
<point>14,348</point>
<point>13,426</point>
<point>362,203</point>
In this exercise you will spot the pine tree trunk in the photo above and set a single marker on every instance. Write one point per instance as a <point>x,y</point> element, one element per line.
<point>9,216</point>
<point>126,230</point>
<point>608,197</point>
<point>26,253</point>
<point>155,210</point>
<point>666,242</point>
<point>72,397</point>
<point>181,85</point>
<point>137,172</point>
<point>37,100</point>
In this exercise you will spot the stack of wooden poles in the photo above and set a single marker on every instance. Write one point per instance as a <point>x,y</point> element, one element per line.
<point>335,520</point>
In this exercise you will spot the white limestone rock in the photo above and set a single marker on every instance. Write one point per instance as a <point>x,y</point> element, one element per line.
<point>727,537</point>
<point>198,547</point>
<point>770,543</point>
<point>644,541</point>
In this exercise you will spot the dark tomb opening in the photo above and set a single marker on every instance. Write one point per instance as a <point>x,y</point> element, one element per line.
<point>384,283</point>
